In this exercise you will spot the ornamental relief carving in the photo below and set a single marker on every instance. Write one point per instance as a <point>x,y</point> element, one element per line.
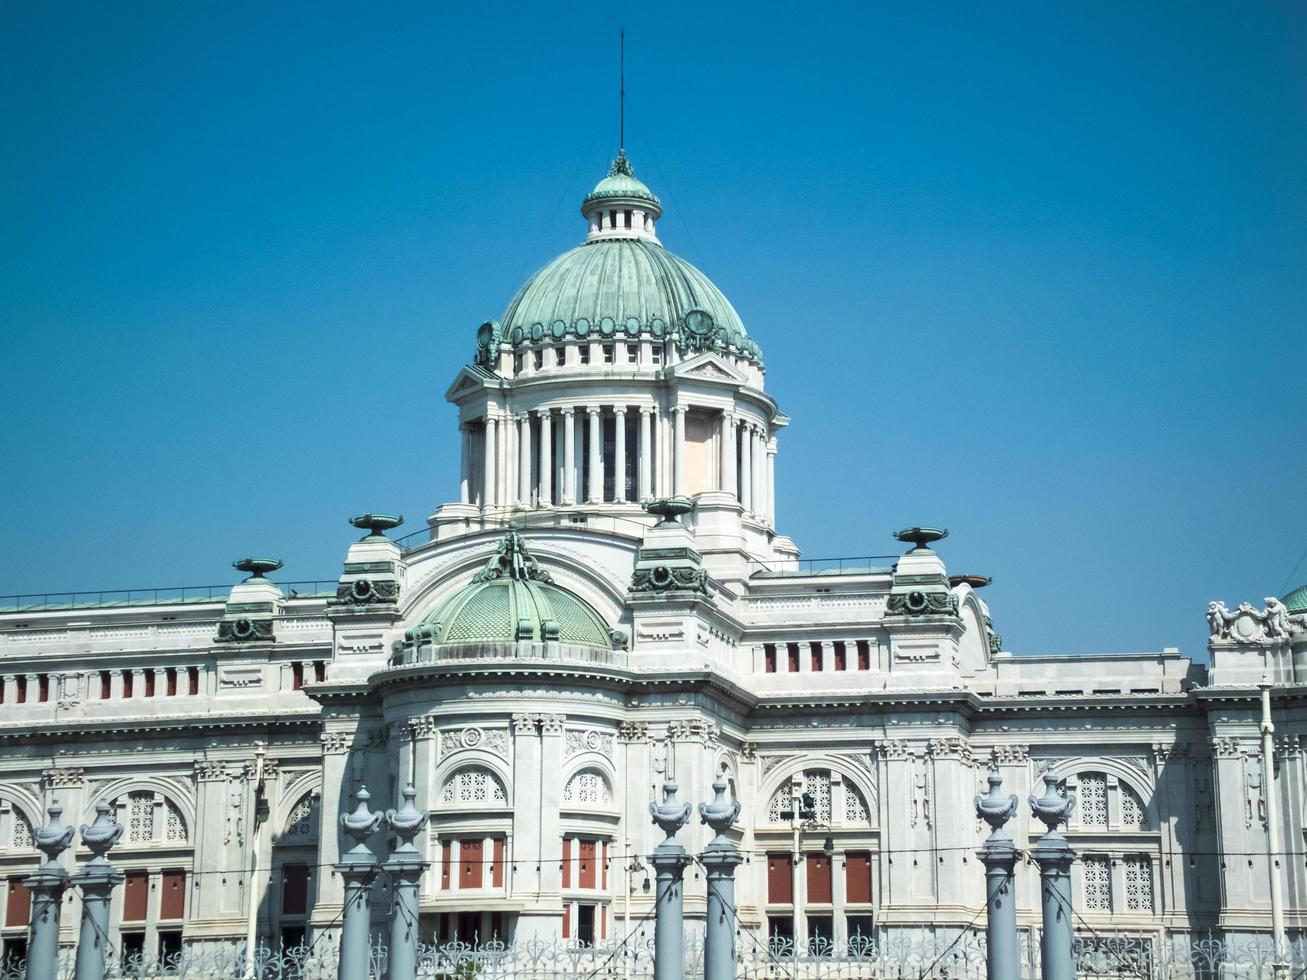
<point>587,740</point>
<point>895,749</point>
<point>694,729</point>
<point>1009,755</point>
<point>69,778</point>
<point>211,772</point>
<point>336,743</point>
<point>770,762</point>
<point>493,740</point>
<point>633,731</point>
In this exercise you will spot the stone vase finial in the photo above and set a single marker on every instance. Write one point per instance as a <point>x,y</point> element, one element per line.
<point>996,809</point>
<point>408,821</point>
<point>670,816</point>
<point>55,837</point>
<point>1053,807</point>
<point>361,824</point>
<point>102,833</point>
<point>719,814</point>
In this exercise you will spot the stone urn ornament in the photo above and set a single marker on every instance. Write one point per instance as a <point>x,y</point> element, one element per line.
<point>1053,807</point>
<point>257,568</point>
<point>719,814</point>
<point>407,822</point>
<point>921,538</point>
<point>101,834</point>
<point>996,809</point>
<point>669,815</point>
<point>361,824</point>
<point>669,508</point>
<point>53,839</point>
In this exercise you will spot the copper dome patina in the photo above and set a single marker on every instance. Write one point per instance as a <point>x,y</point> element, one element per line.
<point>513,599</point>
<point>622,283</point>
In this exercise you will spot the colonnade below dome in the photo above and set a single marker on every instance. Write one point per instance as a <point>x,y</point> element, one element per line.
<point>616,454</point>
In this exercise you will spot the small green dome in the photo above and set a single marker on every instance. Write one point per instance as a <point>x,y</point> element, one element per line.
<point>514,599</point>
<point>621,183</point>
<point>1296,601</point>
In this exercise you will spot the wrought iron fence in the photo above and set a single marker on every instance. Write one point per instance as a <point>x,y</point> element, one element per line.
<point>961,956</point>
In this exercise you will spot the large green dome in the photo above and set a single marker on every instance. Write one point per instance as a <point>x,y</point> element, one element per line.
<point>514,599</point>
<point>626,286</point>
<point>1296,601</point>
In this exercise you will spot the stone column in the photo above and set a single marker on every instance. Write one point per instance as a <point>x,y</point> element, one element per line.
<point>678,451</point>
<point>746,469</point>
<point>357,868</point>
<point>759,458</point>
<point>619,454</point>
<point>720,859</point>
<point>999,856</point>
<point>405,868</point>
<point>645,460</point>
<point>1053,854</point>
<point>669,860</point>
<point>595,493</point>
<point>97,880</point>
<point>569,456</point>
<point>546,458</point>
<point>770,478</point>
<point>524,459</point>
<point>47,886</point>
<point>465,464</point>
<point>728,454</point>
<point>488,465</point>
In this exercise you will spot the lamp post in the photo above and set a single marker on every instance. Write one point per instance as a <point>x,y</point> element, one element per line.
<point>633,864</point>
<point>1279,967</point>
<point>358,868</point>
<point>669,860</point>
<point>803,816</point>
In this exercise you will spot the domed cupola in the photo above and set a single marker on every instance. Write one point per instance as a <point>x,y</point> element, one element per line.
<point>621,206</point>
<point>512,601</point>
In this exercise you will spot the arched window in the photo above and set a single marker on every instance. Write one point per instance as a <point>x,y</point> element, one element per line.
<point>302,822</point>
<point>816,784</point>
<point>151,817</point>
<point>473,785</point>
<point>15,828</point>
<point>588,788</point>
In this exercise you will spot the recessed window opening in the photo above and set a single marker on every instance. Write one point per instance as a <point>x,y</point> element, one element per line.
<point>609,354</point>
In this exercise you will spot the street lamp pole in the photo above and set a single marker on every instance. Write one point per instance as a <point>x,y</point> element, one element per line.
<point>1279,967</point>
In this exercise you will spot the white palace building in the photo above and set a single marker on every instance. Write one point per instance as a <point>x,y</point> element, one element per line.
<point>608,602</point>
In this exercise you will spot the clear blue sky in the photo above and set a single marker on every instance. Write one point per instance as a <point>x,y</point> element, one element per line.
<point>1035,273</point>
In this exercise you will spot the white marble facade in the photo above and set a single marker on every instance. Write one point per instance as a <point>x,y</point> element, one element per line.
<point>879,689</point>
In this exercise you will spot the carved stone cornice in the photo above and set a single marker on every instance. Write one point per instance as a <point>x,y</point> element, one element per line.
<point>1010,755</point>
<point>336,743</point>
<point>211,772</point>
<point>72,777</point>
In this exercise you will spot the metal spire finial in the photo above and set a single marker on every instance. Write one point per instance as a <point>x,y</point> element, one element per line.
<point>621,94</point>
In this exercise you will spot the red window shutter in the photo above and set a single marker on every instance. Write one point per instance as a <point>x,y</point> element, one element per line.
<point>864,655</point>
<point>603,922</point>
<point>296,676</point>
<point>470,853</point>
<point>136,892</point>
<point>43,687</point>
<point>567,866</point>
<point>106,685</point>
<point>567,920</point>
<point>21,682</point>
<point>319,670</point>
<point>587,865</point>
<point>497,864</point>
<point>172,903</point>
<point>149,683</point>
<point>780,879</point>
<point>841,660</point>
<point>129,680</point>
<point>192,680</point>
<point>171,675</point>
<point>603,866</point>
<point>295,889</point>
<point>819,890</point>
<point>18,908</point>
<point>792,655</point>
<point>814,655</point>
<point>444,864</point>
<point>769,657</point>
<point>857,876</point>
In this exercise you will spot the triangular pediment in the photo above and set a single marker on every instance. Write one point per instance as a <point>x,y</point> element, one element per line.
<point>472,378</point>
<point>707,367</point>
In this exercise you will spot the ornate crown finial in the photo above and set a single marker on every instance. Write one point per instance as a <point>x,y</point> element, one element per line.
<point>512,560</point>
<point>621,165</point>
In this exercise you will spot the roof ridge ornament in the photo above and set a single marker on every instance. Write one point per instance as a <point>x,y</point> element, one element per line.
<point>621,165</point>
<point>512,560</point>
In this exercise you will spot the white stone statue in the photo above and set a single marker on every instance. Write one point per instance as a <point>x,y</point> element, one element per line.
<point>1219,619</point>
